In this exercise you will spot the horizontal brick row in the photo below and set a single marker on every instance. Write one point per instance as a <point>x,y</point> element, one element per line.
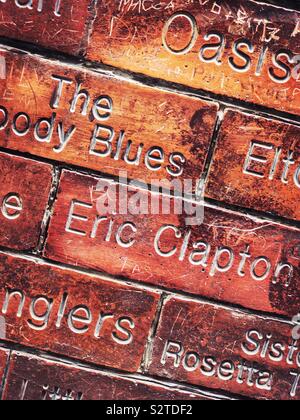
<point>100,122</point>
<point>196,343</point>
<point>79,117</point>
<point>225,256</point>
<point>108,323</point>
<point>24,193</point>
<point>34,378</point>
<point>81,316</point>
<point>242,49</point>
<point>220,348</point>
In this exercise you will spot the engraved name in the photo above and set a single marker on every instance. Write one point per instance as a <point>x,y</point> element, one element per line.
<point>182,32</point>
<point>199,253</point>
<point>37,5</point>
<point>105,141</point>
<point>266,161</point>
<point>244,57</point>
<point>49,393</point>
<point>242,372</point>
<point>39,314</point>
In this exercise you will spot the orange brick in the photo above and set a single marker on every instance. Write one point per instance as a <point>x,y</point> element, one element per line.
<point>257,166</point>
<point>80,316</point>
<point>113,125</point>
<point>226,349</point>
<point>228,257</point>
<point>241,49</point>
<point>33,378</point>
<point>55,24</point>
<point>24,193</point>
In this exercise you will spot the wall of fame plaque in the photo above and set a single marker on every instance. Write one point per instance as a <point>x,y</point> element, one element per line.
<point>149,203</point>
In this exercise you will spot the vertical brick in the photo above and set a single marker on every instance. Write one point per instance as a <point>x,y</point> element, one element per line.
<point>68,313</point>
<point>241,49</point>
<point>33,378</point>
<point>227,257</point>
<point>227,349</point>
<point>3,358</point>
<point>24,193</point>
<point>258,166</point>
<point>56,24</point>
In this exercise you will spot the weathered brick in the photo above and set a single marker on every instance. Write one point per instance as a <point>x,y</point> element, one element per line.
<point>34,378</point>
<point>211,346</point>
<point>3,357</point>
<point>55,24</point>
<point>24,193</point>
<point>257,166</point>
<point>224,47</point>
<point>68,313</point>
<point>228,257</point>
<point>125,126</point>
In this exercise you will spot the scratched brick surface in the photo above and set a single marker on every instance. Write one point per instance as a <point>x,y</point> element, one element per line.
<point>3,359</point>
<point>228,257</point>
<point>33,378</point>
<point>92,117</point>
<point>76,315</point>
<point>257,166</point>
<point>24,193</point>
<point>240,49</point>
<point>114,125</point>
<point>55,24</point>
<point>227,349</point>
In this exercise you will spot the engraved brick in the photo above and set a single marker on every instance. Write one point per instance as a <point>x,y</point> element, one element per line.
<point>229,257</point>
<point>68,313</point>
<point>24,193</point>
<point>101,122</point>
<point>235,48</point>
<point>211,346</point>
<point>33,378</point>
<point>258,166</point>
<point>55,24</point>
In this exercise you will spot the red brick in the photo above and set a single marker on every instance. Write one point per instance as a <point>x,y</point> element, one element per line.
<point>271,185</point>
<point>3,359</point>
<point>146,118</point>
<point>24,193</point>
<point>68,313</point>
<point>245,261</point>
<point>129,34</point>
<point>33,378</point>
<point>59,25</point>
<point>213,343</point>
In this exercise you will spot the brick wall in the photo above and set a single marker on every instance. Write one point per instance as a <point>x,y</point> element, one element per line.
<point>193,297</point>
